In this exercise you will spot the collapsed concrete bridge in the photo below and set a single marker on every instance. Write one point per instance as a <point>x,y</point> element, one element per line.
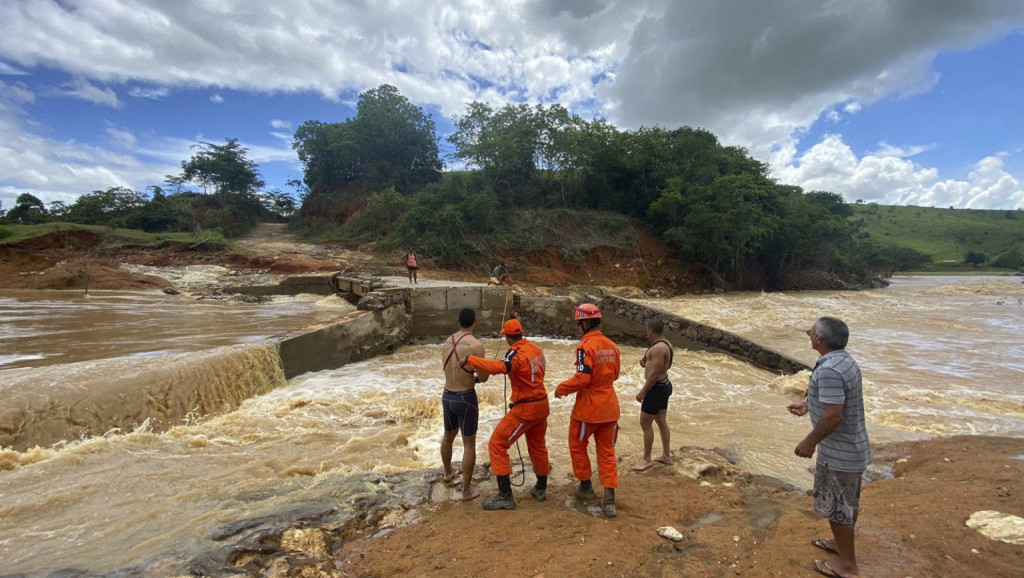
<point>388,316</point>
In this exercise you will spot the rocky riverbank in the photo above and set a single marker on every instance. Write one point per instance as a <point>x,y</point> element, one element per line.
<point>914,523</point>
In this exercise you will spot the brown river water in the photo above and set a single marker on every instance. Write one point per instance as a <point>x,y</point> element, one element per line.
<point>940,356</point>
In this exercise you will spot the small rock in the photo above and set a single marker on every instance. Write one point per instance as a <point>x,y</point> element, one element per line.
<point>998,526</point>
<point>670,533</point>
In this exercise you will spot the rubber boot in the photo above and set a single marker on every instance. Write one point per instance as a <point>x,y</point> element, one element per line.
<point>608,504</point>
<point>585,491</point>
<point>504,499</point>
<point>540,490</point>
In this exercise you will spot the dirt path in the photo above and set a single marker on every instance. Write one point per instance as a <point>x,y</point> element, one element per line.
<point>273,240</point>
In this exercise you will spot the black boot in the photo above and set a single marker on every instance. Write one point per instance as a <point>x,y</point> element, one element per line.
<point>504,499</point>
<point>585,491</point>
<point>540,490</point>
<point>608,504</point>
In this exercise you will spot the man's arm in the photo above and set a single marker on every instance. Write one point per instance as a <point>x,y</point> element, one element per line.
<point>489,366</point>
<point>828,423</point>
<point>657,366</point>
<point>580,379</point>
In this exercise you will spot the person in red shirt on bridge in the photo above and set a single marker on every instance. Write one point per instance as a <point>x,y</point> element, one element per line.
<point>527,416</point>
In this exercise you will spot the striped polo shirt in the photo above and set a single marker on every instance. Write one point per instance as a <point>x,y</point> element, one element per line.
<point>836,380</point>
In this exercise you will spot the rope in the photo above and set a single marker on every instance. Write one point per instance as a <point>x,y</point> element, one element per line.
<point>522,464</point>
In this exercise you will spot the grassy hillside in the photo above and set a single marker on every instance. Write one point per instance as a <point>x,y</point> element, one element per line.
<point>946,235</point>
<point>11,234</point>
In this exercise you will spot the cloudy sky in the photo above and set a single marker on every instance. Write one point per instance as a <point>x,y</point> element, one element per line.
<point>891,101</point>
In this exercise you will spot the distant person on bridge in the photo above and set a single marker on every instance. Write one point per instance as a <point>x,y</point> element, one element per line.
<point>412,264</point>
<point>596,410</point>
<point>528,414</point>
<point>499,275</point>
<point>458,402</point>
<point>835,400</point>
<point>654,394</point>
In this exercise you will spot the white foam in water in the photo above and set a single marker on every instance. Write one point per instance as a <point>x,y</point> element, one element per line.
<point>6,359</point>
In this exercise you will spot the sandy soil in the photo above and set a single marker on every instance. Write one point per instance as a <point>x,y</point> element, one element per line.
<point>732,524</point>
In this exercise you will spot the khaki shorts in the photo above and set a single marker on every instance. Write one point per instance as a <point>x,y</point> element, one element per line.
<point>837,494</point>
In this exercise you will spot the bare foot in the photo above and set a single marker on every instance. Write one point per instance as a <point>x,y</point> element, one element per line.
<point>467,496</point>
<point>664,459</point>
<point>642,465</point>
<point>450,478</point>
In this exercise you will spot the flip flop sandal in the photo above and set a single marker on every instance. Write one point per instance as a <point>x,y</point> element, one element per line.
<point>823,544</point>
<point>825,569</point>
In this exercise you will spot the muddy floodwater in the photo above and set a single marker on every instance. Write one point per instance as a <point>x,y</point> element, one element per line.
<point>940,356</point>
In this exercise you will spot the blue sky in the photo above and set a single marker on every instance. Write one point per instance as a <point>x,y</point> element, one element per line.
<point>888,101</point>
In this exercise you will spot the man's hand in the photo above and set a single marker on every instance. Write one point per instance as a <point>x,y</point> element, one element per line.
<point>640,396</point>
<point>643,361</point>
<point>797,409</point>
<point>805,449</point>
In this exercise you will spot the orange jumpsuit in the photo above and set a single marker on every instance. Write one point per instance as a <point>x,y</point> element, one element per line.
<point>596,411</point>
<point>528,415</point>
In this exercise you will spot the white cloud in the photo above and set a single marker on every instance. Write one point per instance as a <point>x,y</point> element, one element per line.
<point>217,99</point>
<point>85,90</point>
<point>280,124</point>
<point>154,93</point>
<point>887,150</point>
<point>831,165</point>
<point>123,138</point>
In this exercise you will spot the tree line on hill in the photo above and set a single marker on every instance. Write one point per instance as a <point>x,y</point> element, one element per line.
<point>218,188</point>
<point>378,177</point>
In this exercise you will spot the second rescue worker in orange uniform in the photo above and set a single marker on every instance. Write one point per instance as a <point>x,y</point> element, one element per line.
<point>596,411</point>
<point>528,414</point>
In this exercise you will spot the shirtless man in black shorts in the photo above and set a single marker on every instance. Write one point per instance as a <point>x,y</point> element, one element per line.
<point>459,404</point>
<point>653,396</point>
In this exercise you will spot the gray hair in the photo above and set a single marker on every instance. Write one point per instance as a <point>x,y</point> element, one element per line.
<point>833,332</point>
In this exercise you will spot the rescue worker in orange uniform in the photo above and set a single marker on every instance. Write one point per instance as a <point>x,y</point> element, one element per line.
<point>596,411</point>
<point>527,416</point>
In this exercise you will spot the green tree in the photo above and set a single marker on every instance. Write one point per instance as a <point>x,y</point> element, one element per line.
<point>116,206</point>
<point>222,169</point>
<point>975,258</point>
<point>278,203</point>
<point>234,181</point>
<point>502,143</point>
<point>27,209</point>
<point>58,211</point>
<point>397,141</point>
<point>390,142</point>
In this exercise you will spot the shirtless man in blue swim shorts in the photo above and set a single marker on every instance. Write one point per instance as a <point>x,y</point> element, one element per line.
<point>459,403</point>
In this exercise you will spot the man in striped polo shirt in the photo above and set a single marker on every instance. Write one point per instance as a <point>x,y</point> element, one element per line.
<point>835,401</point>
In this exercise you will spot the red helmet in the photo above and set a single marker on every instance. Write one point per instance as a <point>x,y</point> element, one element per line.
<point>587,311</point>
